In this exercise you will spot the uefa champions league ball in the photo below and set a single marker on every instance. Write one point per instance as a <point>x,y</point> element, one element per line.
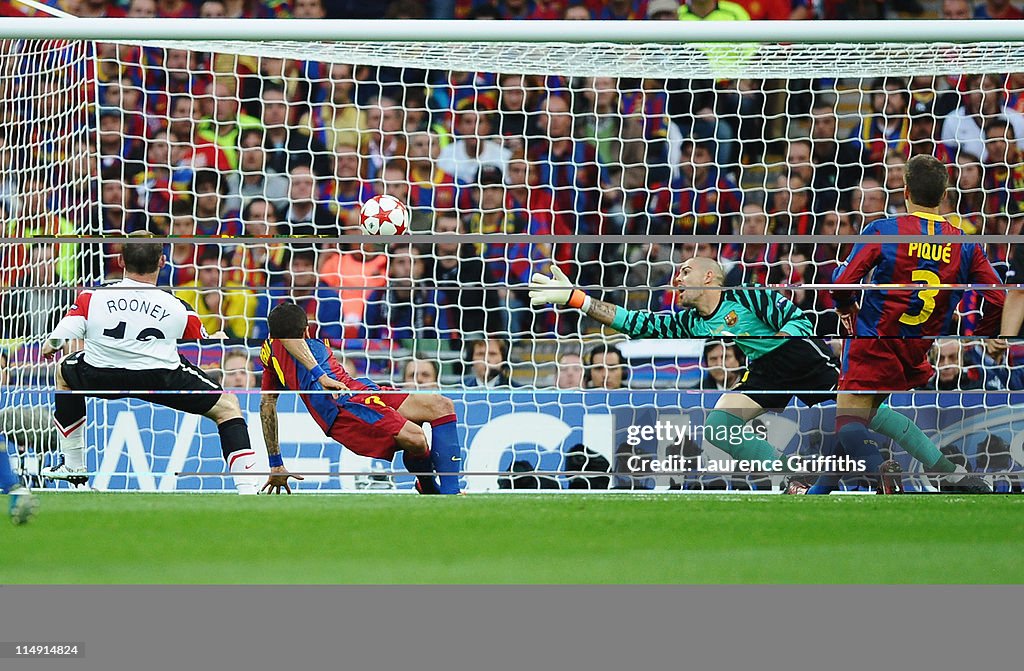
<point>384,215</point>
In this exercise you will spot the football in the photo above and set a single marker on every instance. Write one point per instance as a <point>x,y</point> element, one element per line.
<point>384,215</point>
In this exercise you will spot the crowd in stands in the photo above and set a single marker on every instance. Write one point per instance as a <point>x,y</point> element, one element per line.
<point>203,144</point>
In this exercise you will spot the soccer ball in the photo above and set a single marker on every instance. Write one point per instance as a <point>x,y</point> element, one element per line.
<point>384,215</point>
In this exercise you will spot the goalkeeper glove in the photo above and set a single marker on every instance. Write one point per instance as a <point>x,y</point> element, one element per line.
<point>556,290</point>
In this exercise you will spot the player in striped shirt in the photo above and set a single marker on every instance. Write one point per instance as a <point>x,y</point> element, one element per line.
<point>894,327</point>
<point>783,359</point>
<point>369,420</point>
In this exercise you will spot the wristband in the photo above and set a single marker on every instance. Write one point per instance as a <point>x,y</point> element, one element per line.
<point>317,372</point>
<point>578,299</point>
<point>275,460</point>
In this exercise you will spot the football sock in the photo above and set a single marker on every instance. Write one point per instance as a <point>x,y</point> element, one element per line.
<point>238,453</point>
<point>725,431</point>
<point>69,417</point>
<point>828,482</point>
<point>234,437</point>
<point>446,452</point>
<point>8,480</point>
<point>422,465</point>
<point>855,442</point>
<point>897,426</point>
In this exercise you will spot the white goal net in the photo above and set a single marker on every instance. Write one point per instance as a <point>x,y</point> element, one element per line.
<point>615,161</point>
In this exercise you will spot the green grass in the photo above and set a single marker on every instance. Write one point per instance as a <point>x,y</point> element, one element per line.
<point>181,538</point>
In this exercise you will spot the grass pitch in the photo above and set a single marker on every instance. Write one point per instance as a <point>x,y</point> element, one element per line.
<point>98,538</point>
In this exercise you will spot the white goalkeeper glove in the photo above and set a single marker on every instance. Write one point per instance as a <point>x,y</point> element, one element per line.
<point>556,290</point>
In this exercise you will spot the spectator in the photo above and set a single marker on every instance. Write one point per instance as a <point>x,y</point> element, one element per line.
<point>227,121</point>
<point>791,206</point>
<point>181,258</point>
<point>568,167</point>
<point>384,134</point>
<point>142,9</point>
<point>401,309</point>
<point>956,10</point>
<point>490,367</point>
<point>354,269</point>
<point>348,190</point>
<point>622,10</point>
<point>118,211</point>
<point>948,362</point>
<point>995,372</point>
<point>287,146</point>
<point>837,164</point>
<point>754,259</point>
<point>337,120</point>
<point>306,216</point>
<point>983,99</point>
<point>868,203</point>
<point>472,149</point>
<point>895,167</point>
<point>605,368</point>
<point>176,9</point>
<point>1004,172</point>
<point>888,124</point>
<point>967,200</point>
<point>436,188</point>
<point>256,9</point>
<point>231,310</point>
<point>576,11</point>
<point>153,185</point>
<point>663,10</point>
<point>212,9</point>
<point>997,9</point>
<point>702,201</point>
<point>211,218</point>
<point>601,123</point>
<point>722,366</point>
<point>301,286</point>
<point>513,120</point>
<point>119,152</point>
<point>308,9</point>
<point>570,371</point>
<point>420,374</point>
<point>238,370</point>
<point>922,137</point>
<point>189,150</point>
<point>254,178</point>
<point>468,300</point>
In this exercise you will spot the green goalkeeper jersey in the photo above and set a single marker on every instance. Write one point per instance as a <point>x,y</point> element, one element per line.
<point>750,318</point>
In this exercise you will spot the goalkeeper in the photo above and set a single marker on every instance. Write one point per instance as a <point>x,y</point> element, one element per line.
<point>775,336</point>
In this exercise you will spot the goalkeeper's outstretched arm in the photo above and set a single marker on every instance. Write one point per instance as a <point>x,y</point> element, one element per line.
<point>558,290</point>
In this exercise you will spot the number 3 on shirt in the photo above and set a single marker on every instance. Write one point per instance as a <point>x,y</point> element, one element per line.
<point>927,297</point>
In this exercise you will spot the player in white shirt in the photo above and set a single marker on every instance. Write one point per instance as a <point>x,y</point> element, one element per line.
<point>131,331</point>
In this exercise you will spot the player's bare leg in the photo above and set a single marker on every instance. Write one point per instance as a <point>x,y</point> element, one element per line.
<point>446,450</point>
<point>416,457</point>
<point>234,442</point>
<point>69,418</point>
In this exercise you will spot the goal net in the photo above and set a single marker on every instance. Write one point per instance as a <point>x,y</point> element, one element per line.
<point>613,160</point>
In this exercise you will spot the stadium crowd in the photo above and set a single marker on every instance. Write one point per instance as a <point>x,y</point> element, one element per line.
<point>203,144</point>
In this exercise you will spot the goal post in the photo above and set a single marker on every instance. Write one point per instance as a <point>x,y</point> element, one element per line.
<point>615,150</point>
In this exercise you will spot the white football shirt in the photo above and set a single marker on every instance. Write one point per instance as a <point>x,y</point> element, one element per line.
<point>130,324</point>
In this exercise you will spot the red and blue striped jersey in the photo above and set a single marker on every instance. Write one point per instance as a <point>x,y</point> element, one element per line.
<point>282,371</point>
<point>912,313</point>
